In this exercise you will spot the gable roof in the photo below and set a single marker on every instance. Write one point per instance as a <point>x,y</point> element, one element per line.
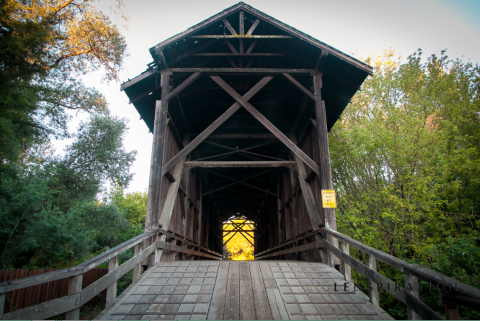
<point>241,6</point>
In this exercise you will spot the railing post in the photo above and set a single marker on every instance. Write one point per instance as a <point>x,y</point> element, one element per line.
<point>411,286</point>
<point>137,270</point>
<point>152,258</point>
<point>347,270</point>
<point>451,311</point>
<point>2,302</point>
<point>374,295</point>
<point>112,289</point>
<point>74,286</point>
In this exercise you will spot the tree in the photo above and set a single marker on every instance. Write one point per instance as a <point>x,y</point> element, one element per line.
<point>44,47</point>
<point>406,161</point>
<point>49,210</point>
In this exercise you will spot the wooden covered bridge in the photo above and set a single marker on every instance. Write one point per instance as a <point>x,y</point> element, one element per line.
<point>240,106</point>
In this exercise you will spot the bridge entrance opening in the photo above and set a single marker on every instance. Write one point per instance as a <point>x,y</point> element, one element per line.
<point>238,238</point>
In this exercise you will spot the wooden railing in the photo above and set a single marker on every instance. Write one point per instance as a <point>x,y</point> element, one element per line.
<point>454,293</point>
<point>145,247</point>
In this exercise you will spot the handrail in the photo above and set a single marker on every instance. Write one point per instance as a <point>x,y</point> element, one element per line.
<point>412,269</point>
<point>76,270</point>
<point>409,294</point>
<point>187,241</point>
<point>77,296</point>
<point>288,242</point>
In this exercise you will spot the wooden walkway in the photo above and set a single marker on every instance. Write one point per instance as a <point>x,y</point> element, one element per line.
<point>248,290</point>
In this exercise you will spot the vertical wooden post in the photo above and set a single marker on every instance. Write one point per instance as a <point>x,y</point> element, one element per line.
<point>324,158</point>
<point>374,294</point>
<point>159,137</point>
<point>74,286</point>
<point>2,302</point>
<point>151,182</point>
<point>451,311</point>
<point>347,270</point>
<point>200,215</point>
<point>137,270</point>
<point>112,289</point>
<point>152,258</point>
<point>411,286</point>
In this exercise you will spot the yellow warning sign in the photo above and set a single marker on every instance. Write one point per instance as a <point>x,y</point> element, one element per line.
<point>328,198</point>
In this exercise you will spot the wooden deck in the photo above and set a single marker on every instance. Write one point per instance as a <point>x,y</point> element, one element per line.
<point>247,290</point>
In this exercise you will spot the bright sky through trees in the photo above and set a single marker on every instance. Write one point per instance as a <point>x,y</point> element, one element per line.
<point>359,27</point>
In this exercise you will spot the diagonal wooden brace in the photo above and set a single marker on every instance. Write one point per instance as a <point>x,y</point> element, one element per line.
<point>210,129</point>
<point>265,122</point>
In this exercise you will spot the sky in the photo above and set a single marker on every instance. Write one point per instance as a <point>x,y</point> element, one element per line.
<point>353,27</point>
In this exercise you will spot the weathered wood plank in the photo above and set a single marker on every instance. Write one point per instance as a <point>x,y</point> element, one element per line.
<point>247,305</point>
<point>74,287</point>
<point>253,27</point>
<point>236,164</point>
<point>229,27</point>
<point>176,248</point>
<point>232,299</point>
<point>254,71</point>
<point>217,305</point>
<point>262,311</point>
<point>111,289</point>
<point>305,247</point>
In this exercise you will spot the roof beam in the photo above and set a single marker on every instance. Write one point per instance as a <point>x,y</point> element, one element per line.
<point>229,26</point>
<point>299,86</point>
<point>236,54</point>
<point>242,37</point>
<point>253,27</point>
<point>245,70</point>
<point>237,164</point>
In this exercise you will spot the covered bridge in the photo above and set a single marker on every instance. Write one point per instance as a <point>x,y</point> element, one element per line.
<point>240,106</point>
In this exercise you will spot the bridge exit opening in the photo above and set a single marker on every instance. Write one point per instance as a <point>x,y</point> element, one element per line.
<point>238,238</point>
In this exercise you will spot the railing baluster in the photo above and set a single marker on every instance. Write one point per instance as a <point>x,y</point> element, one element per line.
<point>2,302</point>
<point>411,286</point>
<point>112,289</point>
<point>374,295</point>
<point>74,286</point>
<point>347,270</point>
<point>137,270</point>
<point>152,258</point>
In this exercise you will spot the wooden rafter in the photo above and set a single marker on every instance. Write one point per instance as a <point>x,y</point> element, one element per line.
<point>239,37</point>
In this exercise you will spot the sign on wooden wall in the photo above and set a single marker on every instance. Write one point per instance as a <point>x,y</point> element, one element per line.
<point>328,198</point>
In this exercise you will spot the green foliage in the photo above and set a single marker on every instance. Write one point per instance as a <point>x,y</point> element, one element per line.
<point>406,165</point>
<point>44,47</point>
<point>49,208</point>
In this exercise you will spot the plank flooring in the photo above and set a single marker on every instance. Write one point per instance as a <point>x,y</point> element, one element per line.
<point>242,290</point>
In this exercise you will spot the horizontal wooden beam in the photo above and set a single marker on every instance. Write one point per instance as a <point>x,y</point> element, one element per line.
<point>228,54</point>
<point>240,136</point>
<point>235,164</point>
<point>240,36</point>
<point>245,70</point>
<point>176,248</point>
<point>301,248</point>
